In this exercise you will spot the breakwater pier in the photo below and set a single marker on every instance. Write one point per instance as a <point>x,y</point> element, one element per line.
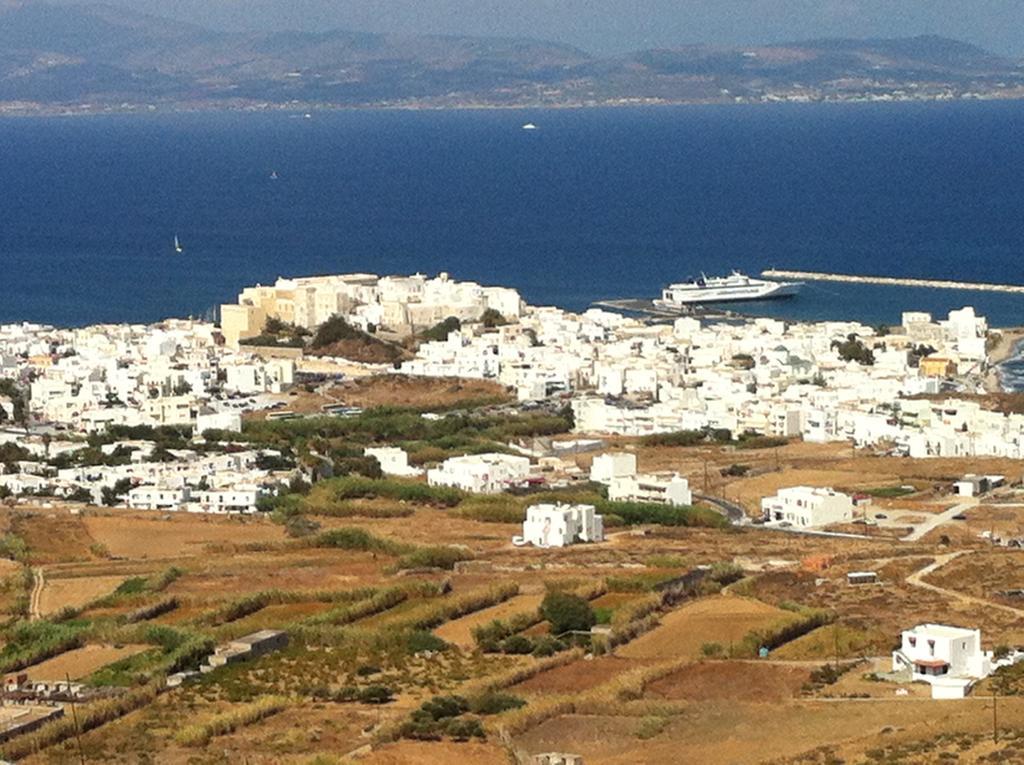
<point>941,284</point>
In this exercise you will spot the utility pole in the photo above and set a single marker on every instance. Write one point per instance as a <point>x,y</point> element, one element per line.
<point>705,475</point>
<point>74,717</point>
<point>995,714</point>
<point>835,642</point>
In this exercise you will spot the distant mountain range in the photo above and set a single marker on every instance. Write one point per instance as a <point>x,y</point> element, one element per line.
<point>81,58</point>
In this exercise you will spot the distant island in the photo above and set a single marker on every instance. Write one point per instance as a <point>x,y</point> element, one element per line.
<point>57,59</point>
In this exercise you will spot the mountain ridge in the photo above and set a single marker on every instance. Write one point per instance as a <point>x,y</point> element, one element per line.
<point>58,57</point>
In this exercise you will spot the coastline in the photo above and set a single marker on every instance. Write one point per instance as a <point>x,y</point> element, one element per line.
<point>28,109</point>
<point>1007,347</point>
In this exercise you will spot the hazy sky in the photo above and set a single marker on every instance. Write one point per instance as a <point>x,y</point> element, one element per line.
<point>611,26</point>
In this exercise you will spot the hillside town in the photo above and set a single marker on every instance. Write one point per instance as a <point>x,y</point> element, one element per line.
<point>822,488</point>
<point>821,382</point>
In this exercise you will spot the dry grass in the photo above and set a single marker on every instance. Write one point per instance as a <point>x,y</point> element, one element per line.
<point>82,662</point>
<point>148,536</point>
<point>59,594</point>
<point>723,619</point>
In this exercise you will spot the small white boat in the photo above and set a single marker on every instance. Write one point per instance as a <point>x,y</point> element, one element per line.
<point>273,175</point>
<point>529,126</point>
<point>177,245</point>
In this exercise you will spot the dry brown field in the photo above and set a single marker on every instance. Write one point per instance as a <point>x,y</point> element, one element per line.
<point>723,619</point>
<point>75,592</point>
<point>81,662</point>
<point>460,631</point>
<point>149,536</point>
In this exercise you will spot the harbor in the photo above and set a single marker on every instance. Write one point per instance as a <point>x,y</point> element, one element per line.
<point>655,310</point>
<point>892,281</point>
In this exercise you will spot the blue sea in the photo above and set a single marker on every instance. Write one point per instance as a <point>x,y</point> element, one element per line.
<point>594,204</point>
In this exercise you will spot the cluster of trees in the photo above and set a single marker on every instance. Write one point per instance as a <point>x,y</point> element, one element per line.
<point>852,349</point>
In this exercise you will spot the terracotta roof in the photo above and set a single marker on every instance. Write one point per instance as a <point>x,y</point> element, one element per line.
<point>931,663</point>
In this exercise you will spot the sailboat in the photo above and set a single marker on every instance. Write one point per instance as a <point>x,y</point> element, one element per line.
<point>177,245</point>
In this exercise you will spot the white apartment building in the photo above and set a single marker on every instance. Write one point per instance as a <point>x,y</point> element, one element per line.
<point>646,487</point>
<point>807,507</point>
<point>159,497</point>
<point>481,473</point>
<point>562,525</point>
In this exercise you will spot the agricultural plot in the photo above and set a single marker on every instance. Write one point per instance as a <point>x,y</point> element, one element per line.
<point>81,662</point>
<point>723,620</point>
<point>74,592</point>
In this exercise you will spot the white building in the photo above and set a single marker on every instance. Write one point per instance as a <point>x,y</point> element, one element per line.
<point>663,489</point>
<point>607,467</point>
<point>158,497</point>
<point>561,525</point>
<point>807,507</point>
<point>481,473</point>
<point>393,461</point>
<point>950,659</point>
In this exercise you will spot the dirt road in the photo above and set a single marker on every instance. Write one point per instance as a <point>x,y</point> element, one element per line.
<point>35,597</point>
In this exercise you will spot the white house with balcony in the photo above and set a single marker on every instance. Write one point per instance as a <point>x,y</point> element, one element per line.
<point>481,473</point>
<point>158,497</point>
<point>561,525</point>
<point>949,659</point>
<point>808,507</point>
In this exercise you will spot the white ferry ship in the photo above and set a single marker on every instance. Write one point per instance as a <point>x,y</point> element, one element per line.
<point>720,289</point>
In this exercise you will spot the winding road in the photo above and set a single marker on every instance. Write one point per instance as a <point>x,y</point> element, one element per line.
<point>917,580</point>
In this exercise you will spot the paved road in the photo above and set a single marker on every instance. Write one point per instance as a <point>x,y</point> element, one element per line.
<point>732,511</point>
<point>934,521</point>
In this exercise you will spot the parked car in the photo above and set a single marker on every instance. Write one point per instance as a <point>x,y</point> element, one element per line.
<point>881,516</point>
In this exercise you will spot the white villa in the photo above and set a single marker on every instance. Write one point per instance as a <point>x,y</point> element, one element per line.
<point>950,659</point>
<point>807,507</point>
<point>481,473</point>
<point>562,525</point>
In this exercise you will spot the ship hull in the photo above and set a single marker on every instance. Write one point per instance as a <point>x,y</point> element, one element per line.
<point>732,295</point>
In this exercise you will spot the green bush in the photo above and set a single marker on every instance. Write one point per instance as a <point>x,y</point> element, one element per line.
<point>567,612</point>
<point>376,694</point>
<point>464,729</point>
<point>441,330</point>
<point>494,702</point>
<point>442,557</point>
<point>441,708</point>
<point>350,538</point>
<point>517,644</point>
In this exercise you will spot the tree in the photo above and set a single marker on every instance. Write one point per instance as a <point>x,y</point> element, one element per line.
<point>567,613</point>
<point>492,318</point>
<point>113,494</point>
<point>854,350</point>
<point>441,330</point>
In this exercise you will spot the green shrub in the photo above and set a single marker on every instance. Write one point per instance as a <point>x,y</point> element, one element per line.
<point>350,538</point>
<point>420,641</point>
<point>442,557</point>
<point>441,330</point>
<point>567,612</point>
<point>441,708</point>
<point>494,702</point>
<point>517,644</point>
<point>376,694</point>
<point>545,645</point>
<point>464,729</point>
